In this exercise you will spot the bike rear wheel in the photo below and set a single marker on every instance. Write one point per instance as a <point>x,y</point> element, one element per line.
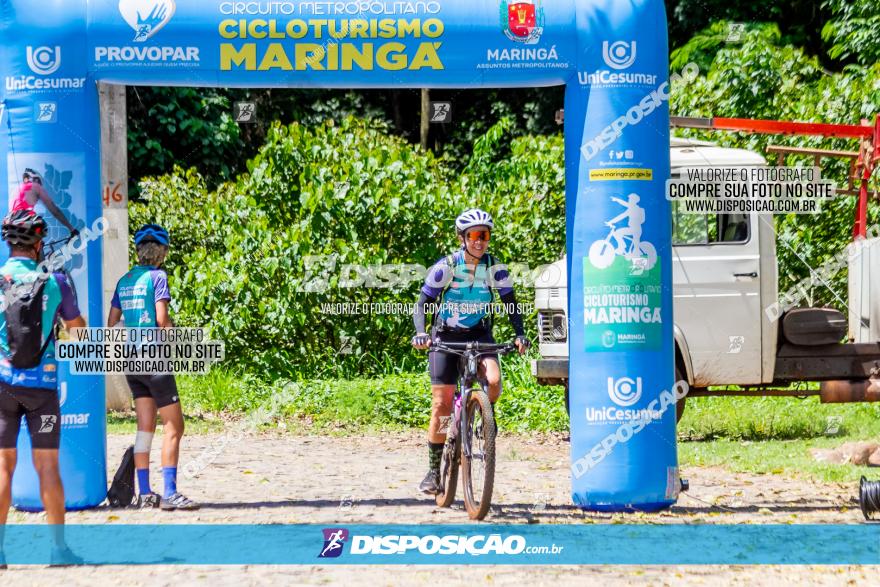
<point>478,461</point>
<point>449,464</point>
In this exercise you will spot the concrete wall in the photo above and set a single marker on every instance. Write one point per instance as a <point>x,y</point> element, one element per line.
<point>114,182</point>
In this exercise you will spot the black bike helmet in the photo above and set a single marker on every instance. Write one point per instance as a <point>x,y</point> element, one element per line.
<point>23,227</point>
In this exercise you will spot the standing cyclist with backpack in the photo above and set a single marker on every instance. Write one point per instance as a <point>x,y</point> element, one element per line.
<point>462,284</point>
<point>141,300</point>
<point>32,302</point>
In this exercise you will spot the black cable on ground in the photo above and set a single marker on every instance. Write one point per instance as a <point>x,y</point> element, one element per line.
<point>869,497</point>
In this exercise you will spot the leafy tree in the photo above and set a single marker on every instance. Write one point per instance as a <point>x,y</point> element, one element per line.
<point>800,20</point>
<point>246,255</point>
<point>181,126</point>
<point>764,78</point>
<point>195,127</point>
<point>853,30</point>
<point>346,193</point>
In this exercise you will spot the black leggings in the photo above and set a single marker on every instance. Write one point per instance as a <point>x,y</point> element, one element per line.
<point>444,366</point>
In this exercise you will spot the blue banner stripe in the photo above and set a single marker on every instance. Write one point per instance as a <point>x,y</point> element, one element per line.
<point>452,544</point>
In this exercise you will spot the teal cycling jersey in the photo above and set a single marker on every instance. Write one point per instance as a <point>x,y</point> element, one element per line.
<point>137,293</point>
<point>465,298</point>
<point>58,301</point>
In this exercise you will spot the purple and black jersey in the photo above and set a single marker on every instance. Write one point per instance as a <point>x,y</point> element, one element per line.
<point>467,297</point>
<point>160,288</point>
<point>137,293</point>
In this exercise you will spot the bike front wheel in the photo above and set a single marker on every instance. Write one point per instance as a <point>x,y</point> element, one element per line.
<point>478,455</point>
<point>449,464</point>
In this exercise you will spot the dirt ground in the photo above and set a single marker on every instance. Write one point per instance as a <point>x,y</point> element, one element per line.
<point>247,478</point>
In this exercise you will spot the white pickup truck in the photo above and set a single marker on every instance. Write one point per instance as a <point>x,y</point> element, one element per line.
<point>728,328</point>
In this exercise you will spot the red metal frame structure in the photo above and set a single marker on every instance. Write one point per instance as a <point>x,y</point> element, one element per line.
<point>866,160</point>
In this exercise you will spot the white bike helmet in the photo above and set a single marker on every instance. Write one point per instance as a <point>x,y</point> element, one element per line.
<point>471,218</point>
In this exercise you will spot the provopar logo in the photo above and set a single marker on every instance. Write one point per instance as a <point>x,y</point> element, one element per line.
<point>146,17</point>
<point>523,21</point>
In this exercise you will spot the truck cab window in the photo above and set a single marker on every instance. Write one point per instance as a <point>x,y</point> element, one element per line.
<point>706,229</point>
<point>733,228</point>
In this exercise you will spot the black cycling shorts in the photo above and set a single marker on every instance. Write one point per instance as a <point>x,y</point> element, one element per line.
<point>162,388</point>
<point>444,366</point>
<point>41,410</point>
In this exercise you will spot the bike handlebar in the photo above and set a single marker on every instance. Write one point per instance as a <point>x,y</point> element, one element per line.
<point>60,241</point>
<point>479,347</point>
<point>52,247</point>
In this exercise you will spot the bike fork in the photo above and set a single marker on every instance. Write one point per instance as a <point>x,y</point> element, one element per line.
<point>462,424</point>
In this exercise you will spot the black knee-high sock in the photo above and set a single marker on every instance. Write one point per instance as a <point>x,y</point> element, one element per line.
<point>435,454</point>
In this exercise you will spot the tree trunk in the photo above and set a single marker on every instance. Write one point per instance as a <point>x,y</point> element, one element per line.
<point>426,118</point>
<point>398,115</point>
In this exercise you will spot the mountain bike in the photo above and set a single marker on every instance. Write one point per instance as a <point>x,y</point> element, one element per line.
<point>52,251</point>
<point>470,440</point>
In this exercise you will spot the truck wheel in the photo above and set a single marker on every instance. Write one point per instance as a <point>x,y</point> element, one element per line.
<point>680,404</point>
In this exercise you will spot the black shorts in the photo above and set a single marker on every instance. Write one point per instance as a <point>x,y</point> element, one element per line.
<point>40,408</point>
<point>444,366</point>
<point>161,388</point>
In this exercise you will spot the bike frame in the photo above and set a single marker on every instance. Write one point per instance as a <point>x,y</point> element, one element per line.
<point>54,247</point>
<point>469,354</point>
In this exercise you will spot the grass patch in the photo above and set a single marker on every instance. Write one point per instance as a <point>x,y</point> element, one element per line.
<point>774,436</point>
<point>776,418</point>
<point>396,401</point>
<point>222,392</point>
<point>790,458</point>
<point>195,424</point>
<point>757,435</point>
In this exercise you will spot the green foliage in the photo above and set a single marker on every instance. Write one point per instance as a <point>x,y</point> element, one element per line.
<point>526,406</point>
<point>853,31</point>
<point>195,127</point>
<point>395,400</point>
<point>801,19</point>
<point>524,112</point>
<point>775,418</point>
<point>245,257</point>
<point>182,126</point>
<point>526,192</point>
<point>402,400</point>
<point>349,194</point>
<point>222,391</point>
<point>701,48</point>
<point>774,435</point>
<point>756,78</point>
<point>760,78</point>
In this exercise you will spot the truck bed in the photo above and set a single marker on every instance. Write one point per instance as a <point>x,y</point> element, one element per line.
<point>793,363</point>
<point>827,362</point>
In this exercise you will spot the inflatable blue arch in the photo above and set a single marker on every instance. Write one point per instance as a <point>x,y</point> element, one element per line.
<point>612,57</point>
